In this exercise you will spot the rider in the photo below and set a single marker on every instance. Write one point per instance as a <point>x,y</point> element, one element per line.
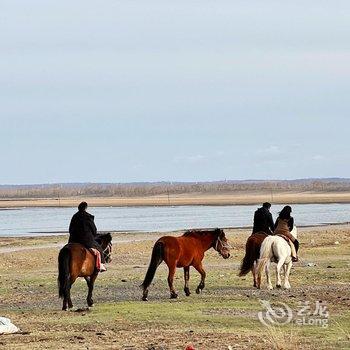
<point>283,226</point>
<point>82,229</point>
<point>263,221</point>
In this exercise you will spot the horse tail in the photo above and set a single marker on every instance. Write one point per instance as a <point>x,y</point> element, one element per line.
<point>156,259</point>
<point>265,254</point>
<point>248,260</point>
<point>63,272</point>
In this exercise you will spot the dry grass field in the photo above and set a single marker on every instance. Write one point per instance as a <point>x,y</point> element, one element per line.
<point>246,197</point>
<point>224,316</point>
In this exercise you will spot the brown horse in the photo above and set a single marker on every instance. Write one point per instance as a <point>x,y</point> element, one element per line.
<point>252,254</point>
<point>74,260</point>
<point>185,251</point>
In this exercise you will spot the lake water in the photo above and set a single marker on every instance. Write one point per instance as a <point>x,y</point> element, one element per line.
<point>46,221</point>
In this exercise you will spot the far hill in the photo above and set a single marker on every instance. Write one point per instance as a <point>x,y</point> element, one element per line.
<point>147,189</point>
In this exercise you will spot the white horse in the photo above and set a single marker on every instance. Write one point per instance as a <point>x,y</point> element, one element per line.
<point>275,249</point>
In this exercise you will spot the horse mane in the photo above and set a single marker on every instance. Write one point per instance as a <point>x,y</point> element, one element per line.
<point>201,232</point>
<point>104,236</point>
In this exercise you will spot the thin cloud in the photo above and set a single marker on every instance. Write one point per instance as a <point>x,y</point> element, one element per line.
<point>198,158</point>
<point>270,150</point>
<point>318,157</point>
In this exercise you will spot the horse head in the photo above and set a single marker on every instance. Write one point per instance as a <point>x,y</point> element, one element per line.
<point>105,241</point>
<point>221,244</point>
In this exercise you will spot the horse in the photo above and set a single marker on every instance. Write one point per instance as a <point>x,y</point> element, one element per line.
<point>183,252</point>
<point>252,253</point>
<point>275,249</point>
<point>74,260</point>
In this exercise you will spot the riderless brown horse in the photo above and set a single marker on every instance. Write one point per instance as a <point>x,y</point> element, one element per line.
<point>185,251</point>
<point>74,260</point>
<point>252,254</point>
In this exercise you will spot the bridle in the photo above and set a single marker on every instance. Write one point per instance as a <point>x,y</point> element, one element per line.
<point>107,252</point>
<point>224,245</point>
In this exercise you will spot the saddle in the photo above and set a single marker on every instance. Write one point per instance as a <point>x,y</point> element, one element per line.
<point>284,237</point>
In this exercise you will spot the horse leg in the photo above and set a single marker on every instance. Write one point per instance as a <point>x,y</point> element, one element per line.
<point>187,277</point>
<point>258,281</point>
<point>67,301</point>
<point>267,271</point>
<point>278,273</point>
<point>286,275</point>
<point>172,269</point>
<point>65,304</point>
<point>88,299</point>
<point>72,280</point>
<point>70,304</point>
<point>65,298</point>
<point>255,283</point>
<point>90,282</point>
<point>199,268</point>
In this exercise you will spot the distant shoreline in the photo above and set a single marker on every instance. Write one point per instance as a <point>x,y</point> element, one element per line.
<point>240,198</point>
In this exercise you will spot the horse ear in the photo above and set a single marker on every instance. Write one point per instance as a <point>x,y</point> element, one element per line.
<point>109,237</point>
<point>220,232</point>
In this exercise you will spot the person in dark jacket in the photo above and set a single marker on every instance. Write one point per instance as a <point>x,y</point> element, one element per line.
<point>82,229</point>
<point>263,221</point>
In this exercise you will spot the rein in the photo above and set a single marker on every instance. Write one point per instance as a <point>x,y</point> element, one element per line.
<point>109,250</point>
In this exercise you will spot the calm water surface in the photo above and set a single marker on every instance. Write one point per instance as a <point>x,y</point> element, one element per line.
<point>39,221</point>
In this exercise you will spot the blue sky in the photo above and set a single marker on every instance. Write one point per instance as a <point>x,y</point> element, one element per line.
<point>121,91</point>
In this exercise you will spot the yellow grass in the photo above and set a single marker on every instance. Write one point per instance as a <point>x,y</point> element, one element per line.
<point>186,199</point>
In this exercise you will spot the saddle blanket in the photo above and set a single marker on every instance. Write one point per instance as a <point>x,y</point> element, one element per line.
<point>97,255</point>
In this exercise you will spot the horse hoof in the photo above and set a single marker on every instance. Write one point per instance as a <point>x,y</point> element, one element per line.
<point>144,299</point>
<point>187,292</point>
<point>173,296</point>
<point>198,291</point>
<point>64,309</point>
<point>278,286</point>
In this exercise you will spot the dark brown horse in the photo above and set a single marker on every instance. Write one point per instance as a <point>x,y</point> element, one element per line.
<point>252,254</point>
<point>185,251</point>
<point>74,260</point>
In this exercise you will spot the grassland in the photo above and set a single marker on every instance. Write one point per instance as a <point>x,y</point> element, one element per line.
<point>246,197</point>
<point>224,316</point>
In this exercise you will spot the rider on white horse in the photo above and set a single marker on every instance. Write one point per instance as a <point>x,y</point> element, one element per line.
<point>283,227</point>
<point>276,249</point>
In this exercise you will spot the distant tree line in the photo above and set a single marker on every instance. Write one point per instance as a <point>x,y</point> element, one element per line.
<point>171,188</point>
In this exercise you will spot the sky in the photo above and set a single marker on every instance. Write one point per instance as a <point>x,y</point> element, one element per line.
<point>124,91</point>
